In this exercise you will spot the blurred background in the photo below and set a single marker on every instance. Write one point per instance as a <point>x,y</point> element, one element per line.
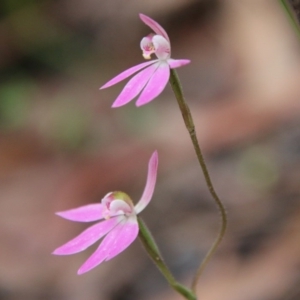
<point>62,146</point>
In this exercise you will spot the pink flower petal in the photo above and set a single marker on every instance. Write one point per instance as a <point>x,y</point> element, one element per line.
<point>126,236</point>
<point>135,85</point>
<point>150,184</point>
<point>154,26</point>
<point>87,237</point>
<point>156,84</point>
<point>126,74</point>
<point>176,63</point>
<point>103,250</point>
<point>86,213</point>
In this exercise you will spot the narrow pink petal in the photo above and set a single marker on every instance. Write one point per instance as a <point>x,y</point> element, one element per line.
<point>126,74</point>
<point>150,184</point>
<point>103,250</point>
<point>135,85</point>
<point>156,84</point>
<point>176,63</point>
<point>86,213</point>
<point>154,26</point>
<point>126,236</point>
<point>87,237</point>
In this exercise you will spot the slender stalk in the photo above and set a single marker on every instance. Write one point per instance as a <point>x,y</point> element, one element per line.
<point>152,249</point>
<point>189,123</point>
<point>291,14</point>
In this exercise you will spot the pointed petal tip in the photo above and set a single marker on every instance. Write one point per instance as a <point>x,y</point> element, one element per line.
<point>154,26</point>
<point>59,213</point>
<point>154,155</point>
<point>177,63</point>
<point>154,160</point>
<point>84,269</point>
<point>142,16</point>
<point>80,272</point>
<point>104,86</point>
<point>146,19</point>
<point>58,252</point>
<point>119,103</point>
<point>85,213</point>
<point>137,104</point>
<point>125,74</point>
<point>115,105</point>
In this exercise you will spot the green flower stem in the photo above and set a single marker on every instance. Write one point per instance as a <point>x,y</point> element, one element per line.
<point>152,249</point>
<point>189,123</point>
<point>291,15</point>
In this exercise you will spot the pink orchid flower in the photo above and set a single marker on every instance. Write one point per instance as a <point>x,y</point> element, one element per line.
<point>118,223</point>
<point>154,75</point>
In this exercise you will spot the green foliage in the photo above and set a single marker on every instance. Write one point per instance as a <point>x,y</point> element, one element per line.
<point>15,102</point>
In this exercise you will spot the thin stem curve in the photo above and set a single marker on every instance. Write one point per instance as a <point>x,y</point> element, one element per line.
<point>189,123</point>
<point>153,251</point>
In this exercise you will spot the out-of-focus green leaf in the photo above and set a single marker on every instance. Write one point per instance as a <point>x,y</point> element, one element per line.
<point>15,103</point>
